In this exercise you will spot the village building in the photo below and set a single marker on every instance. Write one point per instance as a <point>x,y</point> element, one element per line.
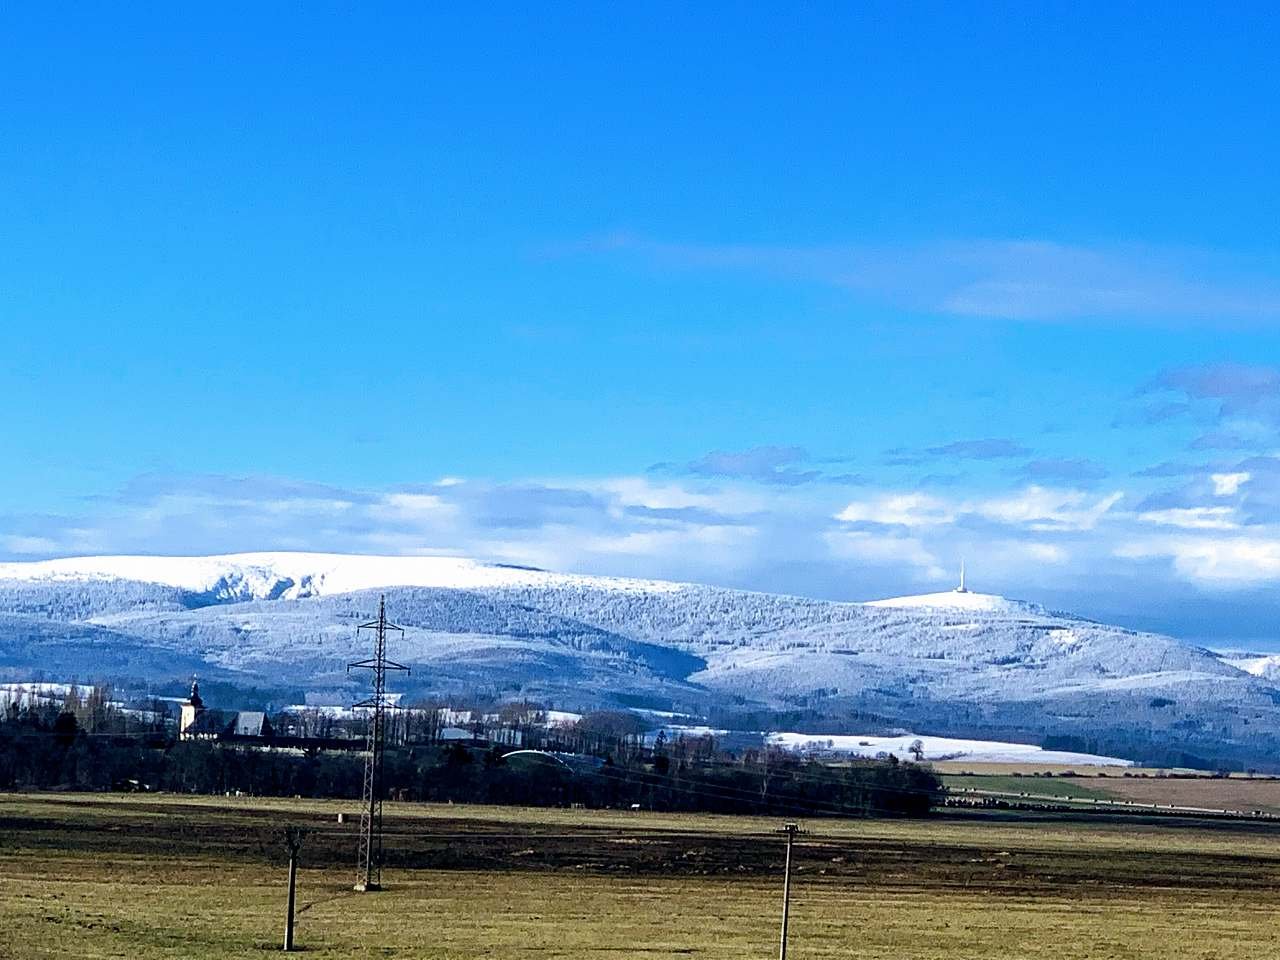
<point>196,722</point>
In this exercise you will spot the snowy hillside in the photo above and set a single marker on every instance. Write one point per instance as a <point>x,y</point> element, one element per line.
<point>939,748</point>
<point>290,576</point>
<point>963,664</point>
<point>961,600</point>
<point>1266,666</point>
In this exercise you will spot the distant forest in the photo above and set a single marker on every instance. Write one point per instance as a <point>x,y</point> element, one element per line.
<point>602,761</point>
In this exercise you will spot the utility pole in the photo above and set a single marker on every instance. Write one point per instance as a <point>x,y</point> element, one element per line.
<point>292,841</point>
<point>369,855</point>
<point>790,829</point>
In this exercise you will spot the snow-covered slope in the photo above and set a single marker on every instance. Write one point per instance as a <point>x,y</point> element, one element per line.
<point>1266,666</point>
<point>966,664</point>
<point>939,748</point>
<point>290,576</point>
<point>961,600</point>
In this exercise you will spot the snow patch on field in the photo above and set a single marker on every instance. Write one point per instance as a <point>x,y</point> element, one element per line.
<point>34,693</point>
<point>939,748</point>
<point>562,718</point>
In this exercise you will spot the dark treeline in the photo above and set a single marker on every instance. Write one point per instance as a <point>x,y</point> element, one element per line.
<point>1151,751</point>
<point>601,761</point>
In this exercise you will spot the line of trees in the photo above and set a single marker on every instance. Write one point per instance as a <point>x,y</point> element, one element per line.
<point>43,746</point>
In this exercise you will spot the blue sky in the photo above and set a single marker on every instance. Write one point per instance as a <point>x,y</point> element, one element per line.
<point>812,298</point>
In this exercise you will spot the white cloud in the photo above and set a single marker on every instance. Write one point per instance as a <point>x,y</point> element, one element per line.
<point>415,504</point>
<point>643,492</point>
<point>1044,552</point>
<point>655,542</point>
<point>1045,509</point>
<point>1192,518</point>
<point>885,550</point>
<point>308,505</point>
<point>1237,561</point>
<point>1031,280</point>
<point>27,546</point>
<point>799,539</point>
<point>1228,484</point>
<point>623,525</point>
<point>1035,508</point>
<point>903,509</point>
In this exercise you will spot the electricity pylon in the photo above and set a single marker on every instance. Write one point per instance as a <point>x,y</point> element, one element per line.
<point>369,856</point>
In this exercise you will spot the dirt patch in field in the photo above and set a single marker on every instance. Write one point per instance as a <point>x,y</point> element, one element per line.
<point>173,833</point>
<point>1216,794</point>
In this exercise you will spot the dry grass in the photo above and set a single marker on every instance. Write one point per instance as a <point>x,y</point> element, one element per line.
<point>1227,793</point>
<point>1024,769</point>
<point>152,878</point>
<point>956,767</point>
<point>1212,793</point>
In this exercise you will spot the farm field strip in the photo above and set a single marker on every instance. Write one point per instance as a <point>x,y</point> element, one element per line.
<point>170,877</point>
<point>1210,795</point>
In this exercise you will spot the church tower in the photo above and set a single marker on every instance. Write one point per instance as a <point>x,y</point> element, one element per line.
<point>191,711</point>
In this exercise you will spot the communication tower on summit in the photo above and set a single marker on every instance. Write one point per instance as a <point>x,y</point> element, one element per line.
<point>962,588</point>
<point>369,857</point>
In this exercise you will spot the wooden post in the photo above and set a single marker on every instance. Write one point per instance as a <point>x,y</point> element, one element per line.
<point>790,829</point>
<point>293,840</point>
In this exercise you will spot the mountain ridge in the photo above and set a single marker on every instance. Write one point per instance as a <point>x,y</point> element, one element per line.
<point>271,575</point>
<point>956,662</point>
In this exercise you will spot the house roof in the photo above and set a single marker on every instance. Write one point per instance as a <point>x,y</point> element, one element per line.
<point>223,723</point>
<point>209,723</point>
<point>250,723</point>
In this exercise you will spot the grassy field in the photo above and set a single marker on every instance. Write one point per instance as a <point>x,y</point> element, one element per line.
<point>1048,786</point>
<point>152,877</point>
<point>1025,769</point>
<point>1228,793</point>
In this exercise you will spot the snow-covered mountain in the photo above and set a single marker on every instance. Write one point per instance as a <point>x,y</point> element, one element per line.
<point>986,603</point>
<point>959,663</point>
<point>1265,665</point>
<point>291,576</point>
